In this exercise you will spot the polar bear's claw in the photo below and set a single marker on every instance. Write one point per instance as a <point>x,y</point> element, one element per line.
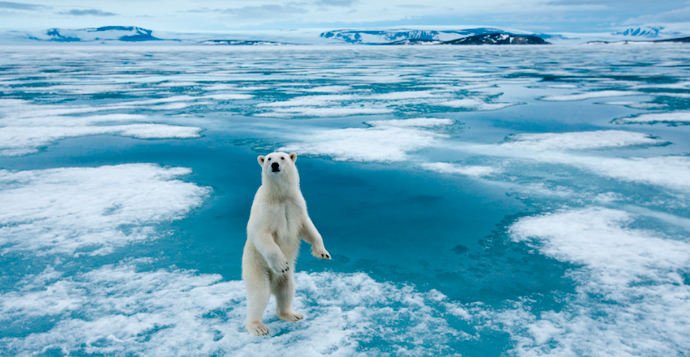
<point>281,268</point>
<point>321,253</point>
<point>258,329</point>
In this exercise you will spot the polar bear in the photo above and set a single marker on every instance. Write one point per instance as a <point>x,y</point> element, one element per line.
<point>277,221</point>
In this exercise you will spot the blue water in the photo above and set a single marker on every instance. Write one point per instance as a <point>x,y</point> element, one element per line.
<point>531,219</point>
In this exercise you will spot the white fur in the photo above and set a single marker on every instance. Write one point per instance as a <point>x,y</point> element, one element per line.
<point>277,221</point>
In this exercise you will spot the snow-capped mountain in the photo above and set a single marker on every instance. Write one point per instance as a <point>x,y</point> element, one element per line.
<point>498,39</point>
<point>646,32</point>
<point>373,37</point>
<point>640,32</point>
<point>242,43</point>
<point>106,33</point>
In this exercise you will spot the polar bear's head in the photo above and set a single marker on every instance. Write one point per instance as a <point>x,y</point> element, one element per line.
<point>278,163</point>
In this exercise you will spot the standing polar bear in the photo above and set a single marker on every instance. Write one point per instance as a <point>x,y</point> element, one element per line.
<point>278,219</point>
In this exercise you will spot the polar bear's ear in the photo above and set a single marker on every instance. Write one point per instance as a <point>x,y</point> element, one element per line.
<point>261,159</point>
<point>293,156</point>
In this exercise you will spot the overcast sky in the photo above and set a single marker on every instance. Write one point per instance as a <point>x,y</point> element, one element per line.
<point>213,15</point>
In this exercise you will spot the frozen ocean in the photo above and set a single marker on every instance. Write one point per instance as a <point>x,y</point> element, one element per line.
<point>477,201</point>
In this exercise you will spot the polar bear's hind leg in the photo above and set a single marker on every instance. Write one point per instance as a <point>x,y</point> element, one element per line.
<point>258,293</point>
<point>283,287</point>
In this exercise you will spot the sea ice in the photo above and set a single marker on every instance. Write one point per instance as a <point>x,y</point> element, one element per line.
<point>630,296</point>
<point>466,170</point>
<point>118,309</point>
<point>579,140</point>
<point>68,210</point>
<point>590,95</point>
<point>475,104</point>
<point>654,118</point>
<point>385,141</point>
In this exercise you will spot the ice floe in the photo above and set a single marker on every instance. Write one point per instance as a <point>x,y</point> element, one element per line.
<point>630,298</point>
<point>26,127</point>
<point>412,123</point>
<point>327,89</point>
<point>579,140</point>
<point>401,95</point>
<point>638,105</point>
<point>561,149</point>
<point>466,170</point>
<point>227,96</point>
<point>590,95</point>
<point>312,100</point>
<point>654,118</point>
<point>668,171</point>
<point>93,210</point>
<point>119,310</point>
<point>324,111</point>
<point>384,141</point>
<point>475,104</point>
<point>26,140</point>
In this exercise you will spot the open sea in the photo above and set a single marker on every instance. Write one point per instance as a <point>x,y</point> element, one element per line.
<point>477,201</point>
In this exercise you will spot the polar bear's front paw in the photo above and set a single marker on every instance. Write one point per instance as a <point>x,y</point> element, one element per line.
<point>280,266</point>
<point>257,329</point>
<point>320,253</point>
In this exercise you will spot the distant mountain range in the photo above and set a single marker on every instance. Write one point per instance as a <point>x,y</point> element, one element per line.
<point>476,36</point>
<point>106,33</point>
<point>242,43</point>
<point>647,32</point>
<point>377,37</point>
<point>669,40</point>
<point>484,39</point>
<point>498,39</point>
<point>468,36</point>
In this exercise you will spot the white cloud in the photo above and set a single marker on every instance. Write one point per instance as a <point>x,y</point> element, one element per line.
<point>88,12</point>
<point>681,15</point>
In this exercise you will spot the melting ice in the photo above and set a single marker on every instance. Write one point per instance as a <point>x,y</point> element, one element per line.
<point>477,201</point>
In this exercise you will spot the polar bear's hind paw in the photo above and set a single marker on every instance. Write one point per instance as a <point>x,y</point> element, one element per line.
<point>291,316</point>
<point>258,329</point>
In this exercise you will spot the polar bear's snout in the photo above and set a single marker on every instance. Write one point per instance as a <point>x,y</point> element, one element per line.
<point>275,167</point>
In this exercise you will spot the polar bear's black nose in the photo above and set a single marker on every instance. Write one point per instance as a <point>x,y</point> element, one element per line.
<point>275,167</point>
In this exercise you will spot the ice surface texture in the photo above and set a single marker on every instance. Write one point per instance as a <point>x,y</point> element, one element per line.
<point>478,201</point>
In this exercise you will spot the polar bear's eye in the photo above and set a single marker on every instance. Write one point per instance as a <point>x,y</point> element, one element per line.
<point>269,159</point>
<point>282,158</point>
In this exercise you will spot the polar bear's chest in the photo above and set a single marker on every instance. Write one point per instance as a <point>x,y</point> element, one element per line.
<point>286,219</point>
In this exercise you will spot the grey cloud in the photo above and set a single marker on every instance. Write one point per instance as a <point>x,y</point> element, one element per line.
<point>345,3</point>
<point>202,10</point>
<point>414,6</point>
<point>264,11</point>
<point>678,15</point>
<point>621,4</point>
<point>90,12</point>
<point>18,6</point>
<point>595,2</point>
